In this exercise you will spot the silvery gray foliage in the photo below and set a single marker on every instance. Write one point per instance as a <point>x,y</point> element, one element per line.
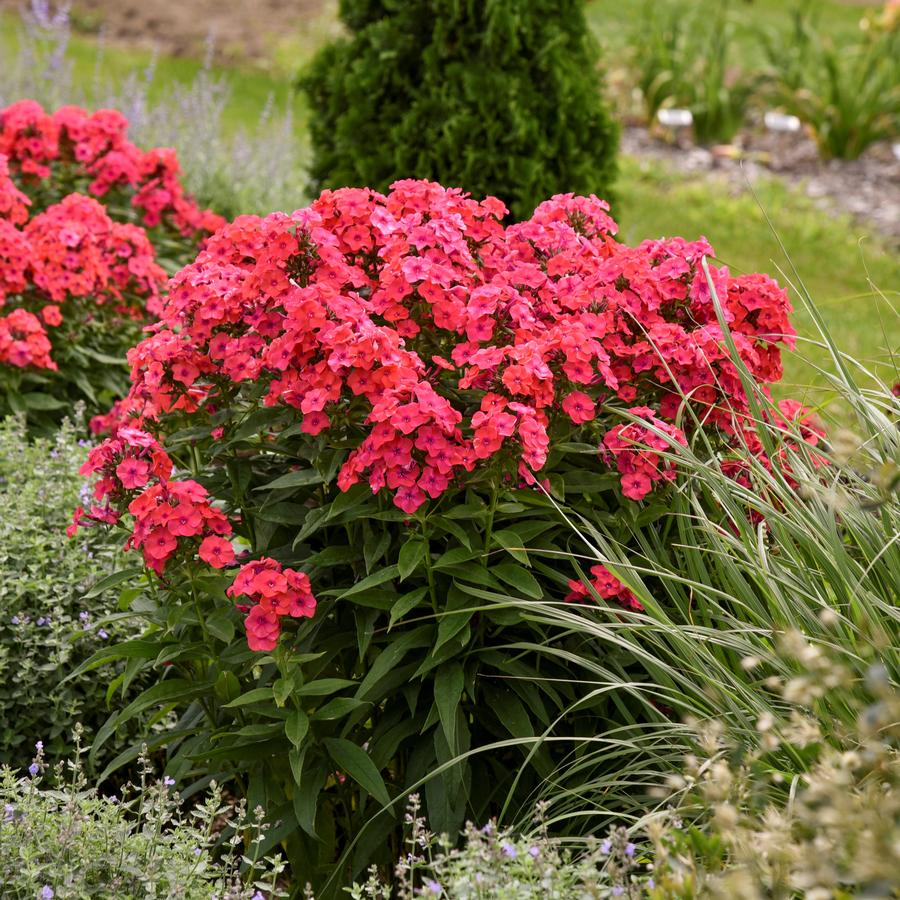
<point>495,862</point>
<point>48,622</point>
<point>61,839</point>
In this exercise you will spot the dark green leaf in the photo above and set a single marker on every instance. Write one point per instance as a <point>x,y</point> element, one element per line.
<point>299,478</point>
<point>448,688</point>
<point>355,762</point>
<point>405,603</point>
<point>512,543</point>
<point>411,555</point>
<point>324,686</point>
<point>257,695</point>
<point>296,727</point>
<point>521,579</point>
<point>104,584</point>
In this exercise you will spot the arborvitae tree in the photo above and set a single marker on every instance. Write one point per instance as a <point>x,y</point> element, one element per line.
<point>499,97</point>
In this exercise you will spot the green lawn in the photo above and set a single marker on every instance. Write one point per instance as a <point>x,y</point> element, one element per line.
<point>830,254</point>
<point>834,257</point>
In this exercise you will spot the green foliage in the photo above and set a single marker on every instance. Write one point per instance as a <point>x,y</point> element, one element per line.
<point>90,353</point>
<point>847,92</point>
<point>45,581</point>
<point>495,862</point>
<point>420,652</point>
<point>685,57</point>
<point>64,840</point>
<point>500,98</point>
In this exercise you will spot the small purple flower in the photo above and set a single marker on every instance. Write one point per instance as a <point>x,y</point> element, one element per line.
<point>258,896</point>
<point>102,634</point>
<point>168,782</point>
<point>42,621</point>
<point>488,829</point>
<point>38,745</point>
<point>629,850</point>
<point>84,616</point>
<point>33,769</point>
<point>47,892</point>
<point>197,851</point>
<point>54,454</point>
<point>14,620</point>
<point>605,846</point>
<point>651,883</point>
<point>618,890</point>
<point>434,887</point>
<point>83,443</point>
<point>509,850</point>
<point>9,813</point>
<point>534,852</point>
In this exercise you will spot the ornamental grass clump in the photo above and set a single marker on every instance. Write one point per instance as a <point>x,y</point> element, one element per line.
<point>501,98</point>
<point>771,622</point>
<point>341,462</point>
<point>86,219</point>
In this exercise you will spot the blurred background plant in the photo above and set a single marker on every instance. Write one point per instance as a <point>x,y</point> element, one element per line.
<point>846,92</point>
<point>501,98</point>
<point>750,825</point>
<point>684,56</point>
<point>50,618</point>
<point>62,840</point>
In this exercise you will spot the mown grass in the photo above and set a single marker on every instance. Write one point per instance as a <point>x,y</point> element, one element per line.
<point>835,256</point>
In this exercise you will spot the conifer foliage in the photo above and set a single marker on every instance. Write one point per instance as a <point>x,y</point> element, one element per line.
<point>498,97</point>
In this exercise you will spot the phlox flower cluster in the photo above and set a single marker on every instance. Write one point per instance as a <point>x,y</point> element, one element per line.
<point>24,342</point>
<point>607,586</point>
<point>169,517</point>
<point>274,592</point>
<point>13,203</point>
<point>91,151</point>
<point>452,342</point>
<point>441,347</point>
<point>63,253</point>
<point>637,452</point>
<point>71,256</point>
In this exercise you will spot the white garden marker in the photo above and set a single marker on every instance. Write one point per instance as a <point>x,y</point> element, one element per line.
<point>776,121</point>
<point>675,118</point>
